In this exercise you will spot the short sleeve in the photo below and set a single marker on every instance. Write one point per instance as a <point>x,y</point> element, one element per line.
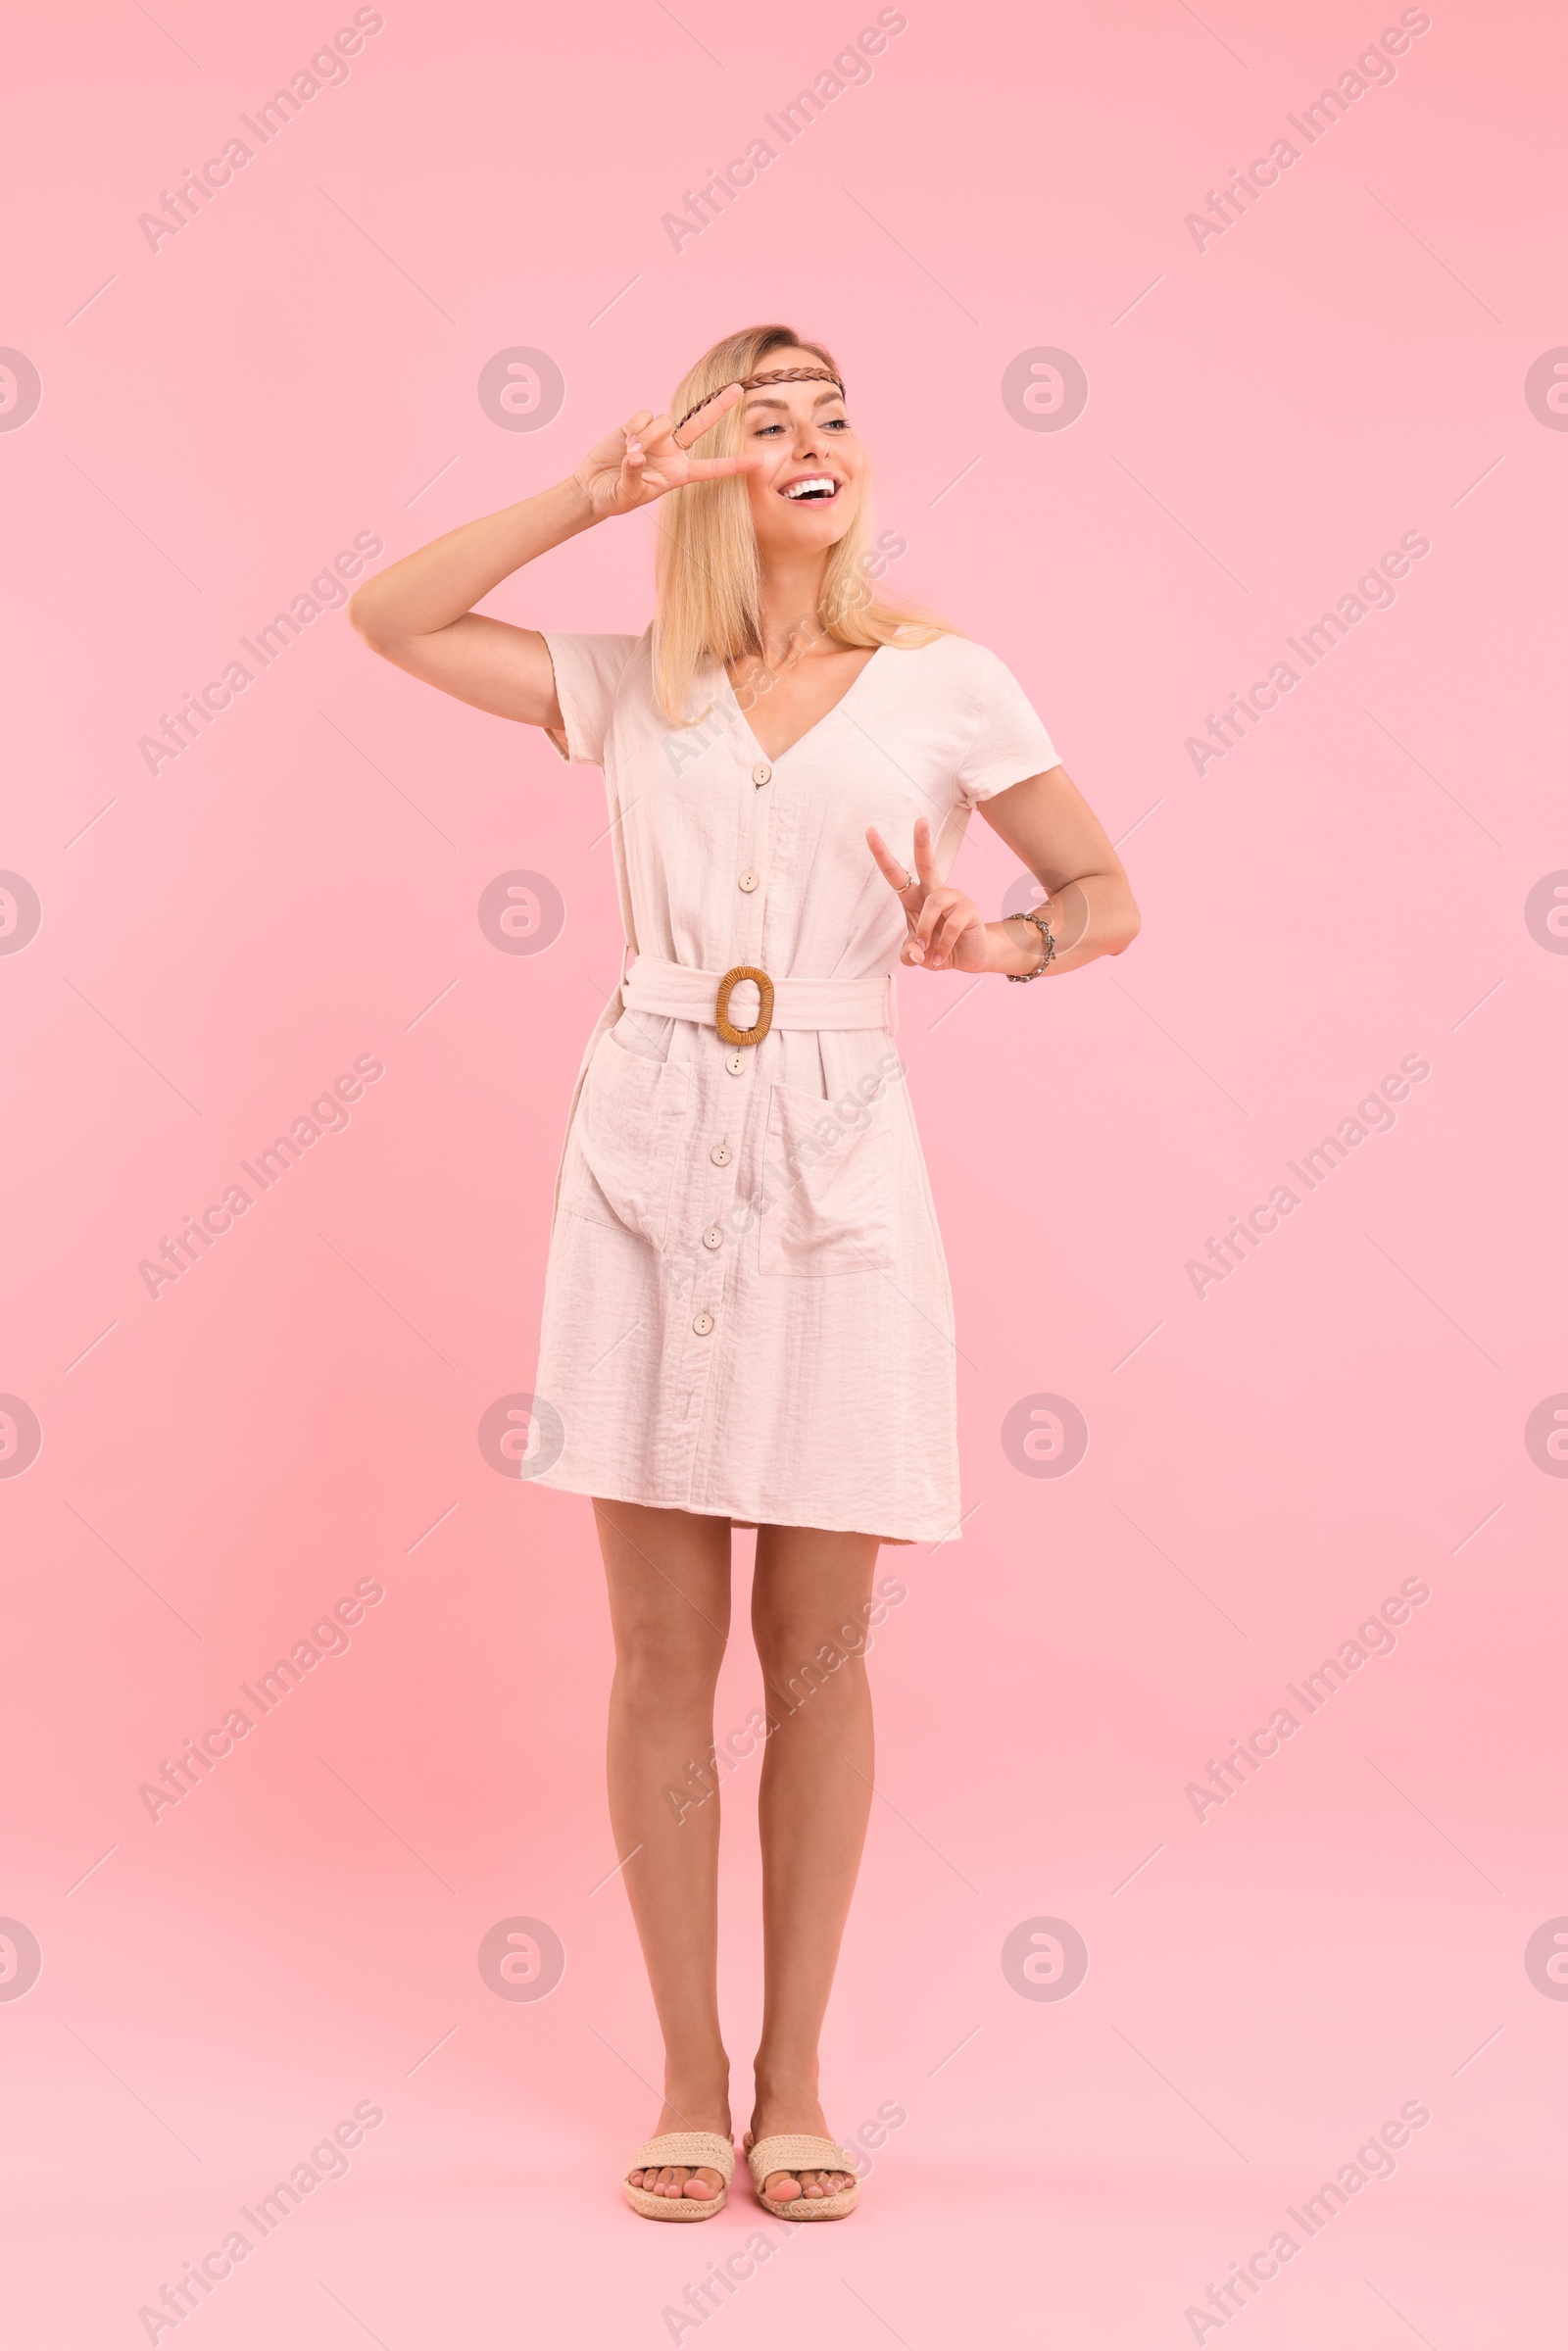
<point>1009,742</point>
<point>588,671</point>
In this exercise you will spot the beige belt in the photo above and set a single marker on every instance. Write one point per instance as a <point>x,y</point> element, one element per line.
<point>680,992</point>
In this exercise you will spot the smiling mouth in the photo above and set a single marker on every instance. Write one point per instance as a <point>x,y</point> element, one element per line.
<point>813,486</point>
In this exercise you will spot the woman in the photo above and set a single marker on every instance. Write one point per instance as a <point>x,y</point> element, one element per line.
<point>746,1318</point>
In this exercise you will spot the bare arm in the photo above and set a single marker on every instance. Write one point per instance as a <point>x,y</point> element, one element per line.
<point>1052,829</point>
<point>419,613</point>
<point>1049,827</point>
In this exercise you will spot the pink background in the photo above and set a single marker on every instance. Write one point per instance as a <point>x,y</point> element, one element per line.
<point>298,1411</point>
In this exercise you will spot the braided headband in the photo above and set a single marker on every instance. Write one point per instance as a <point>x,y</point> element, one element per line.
<point>750,383</point>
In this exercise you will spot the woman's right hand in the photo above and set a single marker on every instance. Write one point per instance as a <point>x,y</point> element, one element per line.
<point>642,459</point>
<point>420,612</point>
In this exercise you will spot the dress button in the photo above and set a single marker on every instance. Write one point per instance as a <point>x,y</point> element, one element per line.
<point>761,773</point>
<point>702,1324</point>
<point>721,1155</point>
<point>736,1066</point>
<point>713,1238</point>
<point>749,879</point>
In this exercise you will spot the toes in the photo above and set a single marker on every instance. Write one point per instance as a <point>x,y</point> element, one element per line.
<point>786,2187</point>
<point>676,2180</point>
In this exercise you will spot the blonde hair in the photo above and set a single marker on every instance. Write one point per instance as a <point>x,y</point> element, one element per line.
<point>708,578</point>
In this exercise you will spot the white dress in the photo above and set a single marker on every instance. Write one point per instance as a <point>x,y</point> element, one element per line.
<point>747,1311</point>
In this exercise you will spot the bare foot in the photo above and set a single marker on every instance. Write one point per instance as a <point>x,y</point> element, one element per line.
<point>797,2113</point>
<point>693,2111</point>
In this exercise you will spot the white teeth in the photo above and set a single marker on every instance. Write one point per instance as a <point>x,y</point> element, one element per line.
<point>821,481</point>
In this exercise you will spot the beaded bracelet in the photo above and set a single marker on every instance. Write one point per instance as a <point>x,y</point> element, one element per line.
<point>1038,917</point>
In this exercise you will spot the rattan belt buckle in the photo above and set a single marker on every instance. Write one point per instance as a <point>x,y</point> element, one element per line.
<point>765,1010</point>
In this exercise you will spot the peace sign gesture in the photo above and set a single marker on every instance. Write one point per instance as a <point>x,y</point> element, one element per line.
<point>946,930</point>
<point>642,459</point>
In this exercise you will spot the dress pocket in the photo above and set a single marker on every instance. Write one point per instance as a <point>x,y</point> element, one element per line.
<point>829,1186</point>
<point>627,1139</point>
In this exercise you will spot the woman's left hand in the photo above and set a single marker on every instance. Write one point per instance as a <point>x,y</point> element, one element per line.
<point>947,931</point>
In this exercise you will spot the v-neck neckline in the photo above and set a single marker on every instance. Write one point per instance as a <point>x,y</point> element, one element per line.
<point>773,757</point>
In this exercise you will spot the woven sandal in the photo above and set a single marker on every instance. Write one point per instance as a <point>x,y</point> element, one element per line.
<point>790,2151</point>
<point>697,2150</point>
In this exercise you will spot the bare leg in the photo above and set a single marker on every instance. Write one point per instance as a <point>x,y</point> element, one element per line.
<point>808,1616</point>
<point>668,1579</point>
